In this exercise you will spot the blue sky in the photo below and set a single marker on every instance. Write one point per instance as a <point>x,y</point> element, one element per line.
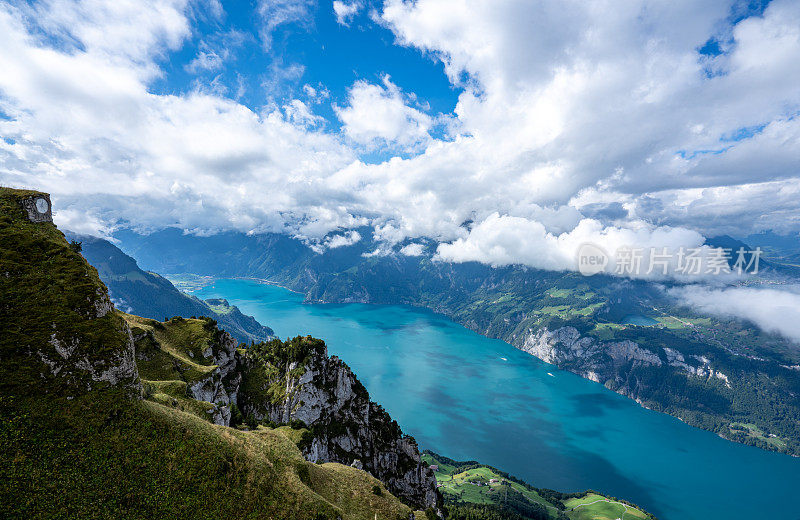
<point>317,50</point>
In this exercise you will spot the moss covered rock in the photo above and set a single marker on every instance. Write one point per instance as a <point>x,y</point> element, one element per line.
<point>59,332</point>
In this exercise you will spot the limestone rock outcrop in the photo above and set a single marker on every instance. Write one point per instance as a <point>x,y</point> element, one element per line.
<point>344,426</point>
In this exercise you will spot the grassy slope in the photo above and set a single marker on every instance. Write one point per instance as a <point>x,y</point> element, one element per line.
<point>177,351</point>
<point>47,288</point>
<point>458,480</point>
<point>458,485</point>
<point>68,452</point>
<point>95,457</point>
<point>597,507</point>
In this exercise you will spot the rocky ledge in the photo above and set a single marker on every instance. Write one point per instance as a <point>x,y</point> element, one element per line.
<point>309,388</point>
<point>296,383</point>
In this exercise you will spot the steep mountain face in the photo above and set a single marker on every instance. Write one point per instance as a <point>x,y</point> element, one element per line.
<point>302,383</point>
<point>192,355</point>
<point>608,362</point>
<point>595,360</point>
<point>281,383</point>
<point>149,295</point>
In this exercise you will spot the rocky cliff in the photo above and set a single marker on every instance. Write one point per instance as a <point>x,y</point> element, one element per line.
<point>221,386</point>
<point>297,382</point>
<point>592,359</point>
<point>613,363</point>
<point>192,365</point>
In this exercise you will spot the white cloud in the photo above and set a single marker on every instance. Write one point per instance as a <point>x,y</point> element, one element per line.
<point>569,102</point>
<point>412,250</point>
<point>83,223</point>
<point>109,146</point>
<point>379,115</point>
<point>209,61</point>
<point>316,95</point>
<point>776,311</point>
<point>120,31</point>
<point>507,240</point>
<point>299,113</point>
<point>212,55</point>
<point>348,238</point>
<point>282,79</point>
<point>345,11</point>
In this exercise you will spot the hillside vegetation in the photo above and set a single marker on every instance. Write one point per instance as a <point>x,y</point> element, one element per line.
<point>61,456</point>
<point>474,491</point>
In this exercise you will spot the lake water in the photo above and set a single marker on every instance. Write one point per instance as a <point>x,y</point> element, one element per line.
<point>469,397</point>
<point>638,319</point>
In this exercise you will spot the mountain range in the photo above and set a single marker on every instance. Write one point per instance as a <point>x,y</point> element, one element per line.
<point>149,295</point>
<point>633,336</point>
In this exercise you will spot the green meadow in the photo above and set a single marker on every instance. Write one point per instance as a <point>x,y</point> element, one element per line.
<point>465,484</point>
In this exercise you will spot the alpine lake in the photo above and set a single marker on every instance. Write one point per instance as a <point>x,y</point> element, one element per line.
<point>473,398</point>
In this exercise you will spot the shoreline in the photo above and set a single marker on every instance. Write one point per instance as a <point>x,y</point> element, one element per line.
<point>179,284</point>
<point>449,317</point>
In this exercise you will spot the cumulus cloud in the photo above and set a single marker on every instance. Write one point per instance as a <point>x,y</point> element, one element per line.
<point>412,249</point>
<point>618,105</point>
<point>379,115</point>
<point>776,311</point>
<point>346,239</point>
<point>198,160</point>
<point>640,250</point>
<point>335,241</point>
<point>574,121</point>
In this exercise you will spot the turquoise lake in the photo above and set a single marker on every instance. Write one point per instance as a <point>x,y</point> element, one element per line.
<point>469,397</point>
<point>636,319</point>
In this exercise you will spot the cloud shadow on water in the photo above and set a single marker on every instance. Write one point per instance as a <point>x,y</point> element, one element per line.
<point>595,404</point>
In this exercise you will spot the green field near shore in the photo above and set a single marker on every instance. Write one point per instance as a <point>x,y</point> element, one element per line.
<point>473,483</point>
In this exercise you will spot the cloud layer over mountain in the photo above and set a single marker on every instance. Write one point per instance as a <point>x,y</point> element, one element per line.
<point>772,310</point>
